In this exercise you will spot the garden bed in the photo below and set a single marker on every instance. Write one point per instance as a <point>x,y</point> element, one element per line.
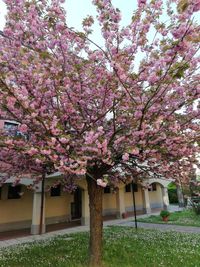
<point>185,217</point>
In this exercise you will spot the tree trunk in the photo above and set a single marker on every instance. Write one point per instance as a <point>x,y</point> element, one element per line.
<point>96,222</point>
<point>180,196</point>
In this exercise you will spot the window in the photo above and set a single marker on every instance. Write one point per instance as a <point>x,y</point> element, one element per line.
<point>14,192</point>
<point>56,191</point>
<point>152,187</point>
<point>11,129</point>
<point>107,190</point>
<point>135,187</point>
<point>10,126</point>
<point>128,188</point>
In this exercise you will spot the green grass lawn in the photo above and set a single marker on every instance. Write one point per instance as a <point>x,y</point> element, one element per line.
<point>185,217</point>
<point>123,247</point>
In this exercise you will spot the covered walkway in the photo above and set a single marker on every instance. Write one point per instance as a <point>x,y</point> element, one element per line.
<point>23,236</point>
<point>7,235</point>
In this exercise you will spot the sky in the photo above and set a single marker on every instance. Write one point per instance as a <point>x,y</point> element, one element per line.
<point>79,9</point>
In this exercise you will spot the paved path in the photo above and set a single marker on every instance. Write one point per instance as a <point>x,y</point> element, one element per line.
<point>122,222</point>
<point>164,227</point>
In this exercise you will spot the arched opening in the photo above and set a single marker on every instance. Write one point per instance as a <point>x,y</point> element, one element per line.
<point>172,193</point>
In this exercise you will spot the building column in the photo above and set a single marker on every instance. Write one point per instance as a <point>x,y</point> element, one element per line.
<point>146,201</point>
<point>120,202</point>
<point>4,192</point>
<point>85,219</point>
<point>37,201</point>
<point>165,198</point>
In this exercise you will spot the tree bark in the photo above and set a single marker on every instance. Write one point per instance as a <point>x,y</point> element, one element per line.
<point>96,222</point>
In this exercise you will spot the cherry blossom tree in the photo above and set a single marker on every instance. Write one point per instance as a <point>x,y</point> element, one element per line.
<point>126,108</point>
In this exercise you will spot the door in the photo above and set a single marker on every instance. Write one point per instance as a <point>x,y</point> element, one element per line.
<point>76,206</point>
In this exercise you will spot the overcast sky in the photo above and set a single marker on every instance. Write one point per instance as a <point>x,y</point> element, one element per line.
<point>78,9</point>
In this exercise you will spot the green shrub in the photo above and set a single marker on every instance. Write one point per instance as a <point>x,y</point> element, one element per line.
<point>164,213</point>
<point>173,198</point>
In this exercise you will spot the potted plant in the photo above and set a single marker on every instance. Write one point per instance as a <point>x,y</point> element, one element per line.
<point>124,215</point>
<point>165,215</point>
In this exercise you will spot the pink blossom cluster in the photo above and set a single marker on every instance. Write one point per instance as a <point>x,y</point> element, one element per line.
<point>101,113</point>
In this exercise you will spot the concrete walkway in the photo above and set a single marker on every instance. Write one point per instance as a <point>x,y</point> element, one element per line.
<point>164,227</point>
<point>121,222</point>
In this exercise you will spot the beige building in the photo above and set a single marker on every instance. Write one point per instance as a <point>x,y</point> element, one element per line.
<point>20,207</point>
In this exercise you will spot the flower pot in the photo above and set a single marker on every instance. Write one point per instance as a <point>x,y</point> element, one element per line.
<point>124,215</point>
<point>165,219</point>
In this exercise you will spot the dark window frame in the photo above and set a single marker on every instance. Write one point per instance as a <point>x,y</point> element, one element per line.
<point>55,191</point>
<point>107,190</point>
<point>153,187</point>
<point>11,124</point>
<point>14,127</point>
<point>11,128</point>
<point>128,188</point>
<point>14,192</point>
<point>135,187</point>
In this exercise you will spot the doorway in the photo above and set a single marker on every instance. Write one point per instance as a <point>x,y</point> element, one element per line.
<point>76,205</point>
